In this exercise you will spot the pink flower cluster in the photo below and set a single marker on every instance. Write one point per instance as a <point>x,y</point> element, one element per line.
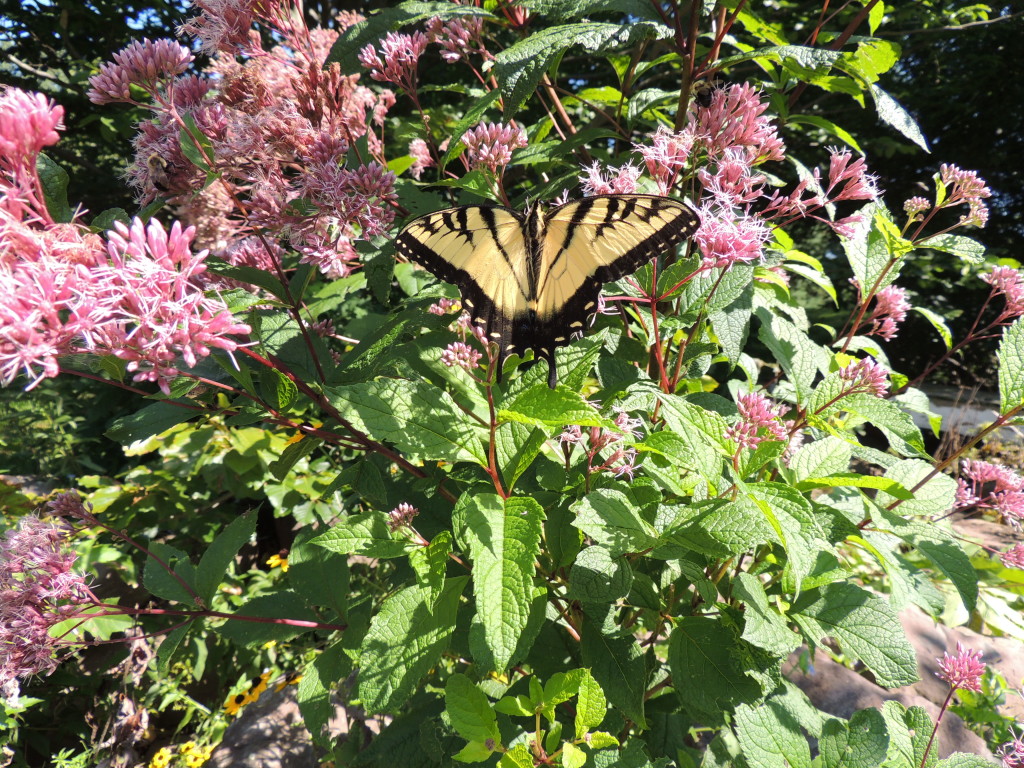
<point>28,123</point>
<point>147,64</point>
<point>461,354</point>
<point>865,377</point>
<point>38,590</point>
<point>890,310</point>
<point>397,59</point>
<point>615,181</point>
<point>489,146</point>
<point>1014,556</point>
<point>1007,282</point>
<point>458,38</point>
<point>1011,754</point>
<point>621,462</point>
<point>759,420</point>
<point>963,670</point>
<point>967,189</point>
<point>402,516</point>
<point>991,486</point>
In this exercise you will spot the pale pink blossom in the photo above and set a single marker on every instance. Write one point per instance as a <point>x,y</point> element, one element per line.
<point>396,60</point>
<point>444,306</point>
<point>736,119</point>
<point>757,413</point>
<point>666,156</point>
<point>461,354</point>
<point>848,178</point>
<point>915,206</point>
<point>422,160</point>
<point>489,145</point>
<point>1007,282</point>
<point>612,181</point>
<point>1011,754</point>
<point>144,63</point>
<point>457,37</point>
<point>1014,556</point>
<point>967,188</point>
<point>38,590</point>
<point>890,310</point>
<point>402,516</point>
<point>985,485</point>
<point>865,377</point>
<point>225,25</point>
<point>962,670</point>
<point>571,435</point>
<point>732,184</point>
<point>28,123</point>
<point>725,239</point>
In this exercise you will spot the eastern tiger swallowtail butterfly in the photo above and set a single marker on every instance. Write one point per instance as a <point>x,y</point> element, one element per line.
<point>530,280</point>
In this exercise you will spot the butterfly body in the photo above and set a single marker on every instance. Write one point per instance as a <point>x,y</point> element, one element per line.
<point>530,280</point>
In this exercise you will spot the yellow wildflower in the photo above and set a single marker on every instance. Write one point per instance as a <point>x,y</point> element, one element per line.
<point>276,561</point>
<point>161,759</point>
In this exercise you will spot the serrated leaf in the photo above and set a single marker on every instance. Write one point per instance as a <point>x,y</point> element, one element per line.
<point>365,534</point>
<point>704,658</point>
<point>865,627</point>
<point>173,584</point>
<point>829,127</point>
<point>314,693</point>
<point>827,456</point>
<point>596,577</point>
<point>614,522</point>
<point>893,113</point>
<point>418,418</point>
<point>194,144</point>
<point>541,406</point>
<point>966,248</point>
<point>763,626</point>
<point>292,454</point>
<point>860,743</point>
<point>520,67</point>
<point>470,711</point>
<point>503,539</point>
<point>1011,368</point>
<point>431,562</point>
<point>320,576</point>
<point>854,480</point>
<point>770,737</point>
<point>217,559</point>
<point>799,357</point>
<point>899,429</point>
<point>909,733</point>
<point>874,242</point>
<point>54,181</point>
<point>150,421</point>
<point>616,662</point>
<point>405,639</point>
<point>170,647</point>
<point>592,705</point>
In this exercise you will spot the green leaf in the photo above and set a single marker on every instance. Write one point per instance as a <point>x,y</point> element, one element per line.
<point>292,454</point>
<point>826,456</point>
<point>162,583</point>
<point>151,420</point>
<point>860,743</point>
<point>365,534</point>
<point>54,181</point>
<point>938,323</point>
<point>895,115</point>
<point>314,693</point>
<point>520,67</point>
<point>1011,368</point>
<point>472,116</point>
<point>470,711</point>
<point>909,733</point>
<point>194,144</point>
<point>219,556</point>
<point>592,705</point>
<point>814,276</point>
<point>541,406</point>
<point>965,248</point>
<point>503,540</point>
<point>418,418</point>
<point>704,656</point>
<point>285,605</point>
<point>854,480</point>
<point>614,522</point>
<point>405,640</point>
<point>431,562</point>
<point>964,760</point>
<point>828,127</point>
<point>763,626</point>
<point>771,737</point>
<point>596,577</point>
<point>617,663</point>
<point>170,647</point>
<point>898,427</point>
<point>379,267</point>
<point>864,625</point>
<point>876,241</point>
<point>799,357</point>
<point>261,278</point>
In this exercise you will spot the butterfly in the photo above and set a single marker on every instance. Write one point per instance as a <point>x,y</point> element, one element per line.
<point>530,280</point>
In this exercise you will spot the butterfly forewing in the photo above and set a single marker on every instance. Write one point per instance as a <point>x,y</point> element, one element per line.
<point>480,250</point>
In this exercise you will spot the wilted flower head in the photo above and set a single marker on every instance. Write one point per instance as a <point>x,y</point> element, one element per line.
<point>962,670</point>
<point>489,145</point>
<point>38,590</point>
